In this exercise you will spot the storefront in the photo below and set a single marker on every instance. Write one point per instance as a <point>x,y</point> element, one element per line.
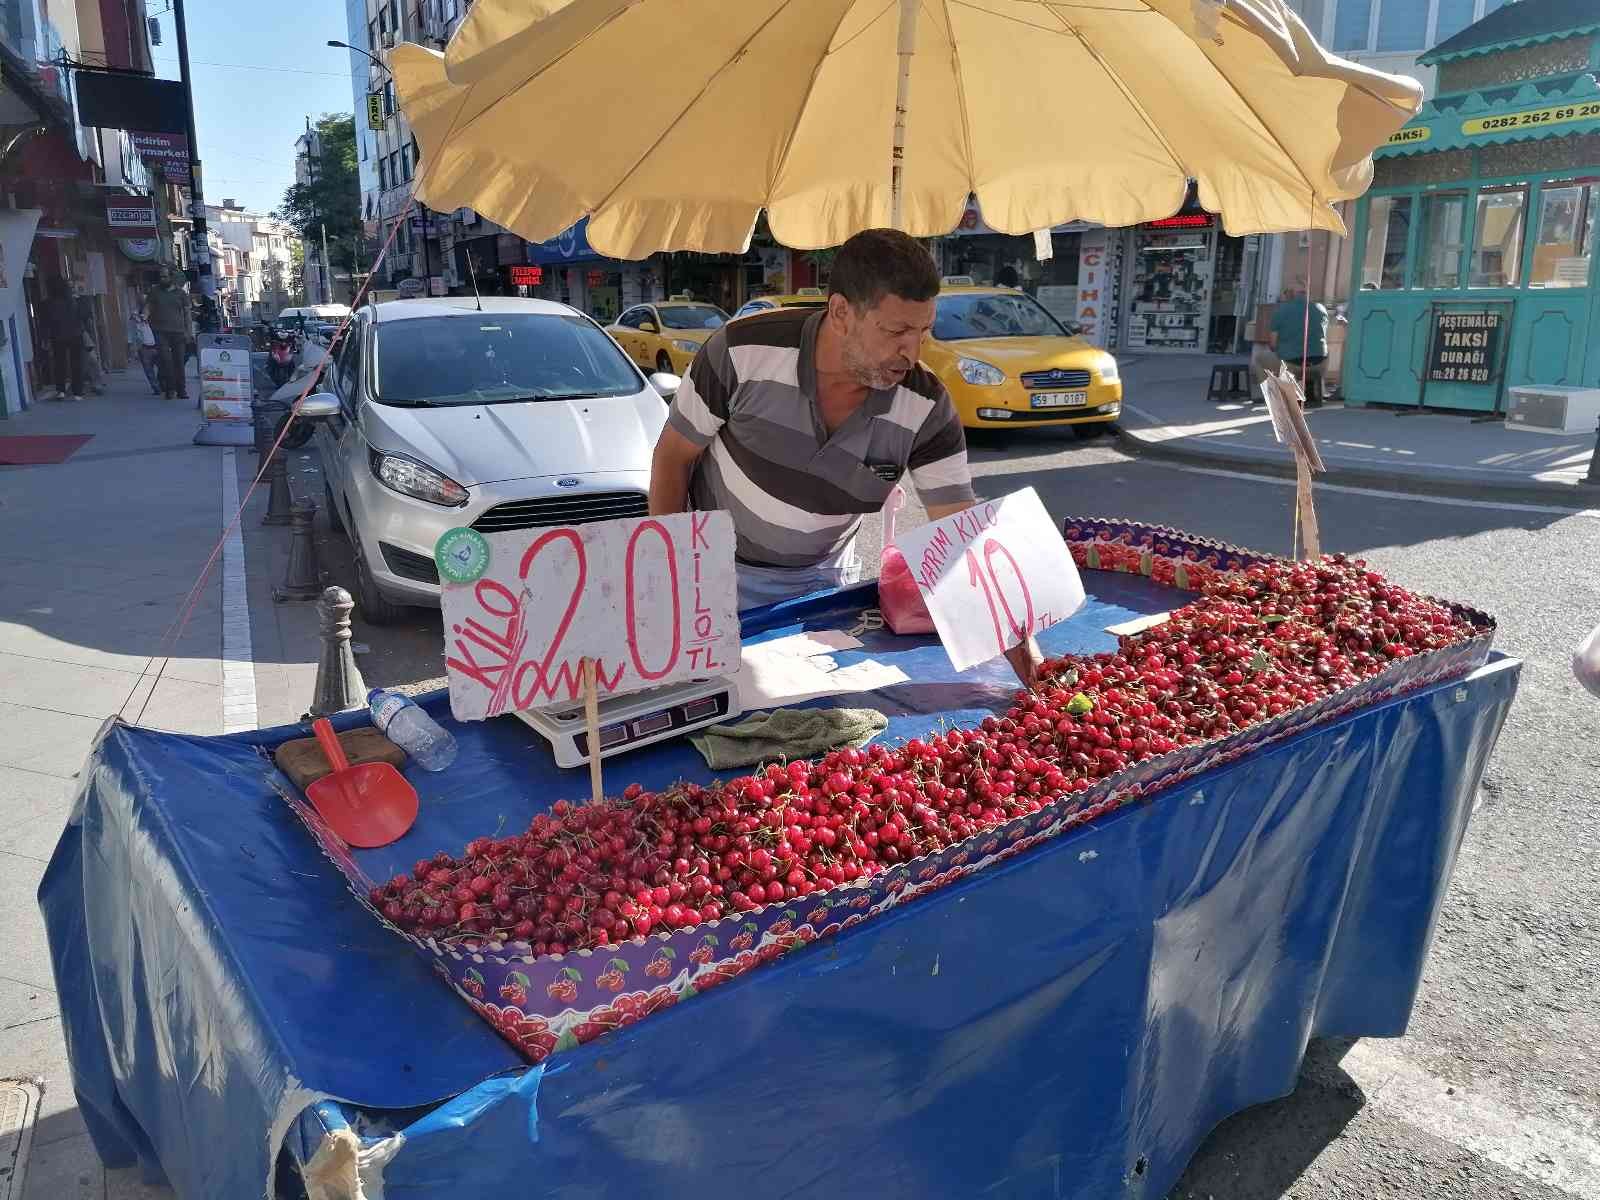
<point>1474,270</point>
<point>1185,286</point>
<point>992,258</point>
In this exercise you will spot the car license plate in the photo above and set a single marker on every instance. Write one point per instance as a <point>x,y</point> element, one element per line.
<point>1059,399</point>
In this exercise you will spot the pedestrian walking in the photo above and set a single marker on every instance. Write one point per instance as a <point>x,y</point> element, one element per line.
<point>65,331</point>
<point>142,345</point>
<point>167,309</point>
<point>1302,342</point>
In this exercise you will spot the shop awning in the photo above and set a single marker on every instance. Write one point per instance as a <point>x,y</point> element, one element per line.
<point>1494,118</point>
<point>1514,26</point>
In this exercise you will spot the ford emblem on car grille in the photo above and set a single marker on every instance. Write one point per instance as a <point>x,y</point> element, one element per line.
<point>568,481</point>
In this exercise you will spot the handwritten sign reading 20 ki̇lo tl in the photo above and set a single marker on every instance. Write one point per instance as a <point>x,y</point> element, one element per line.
<point>992,575</point>
<point>650,600</point>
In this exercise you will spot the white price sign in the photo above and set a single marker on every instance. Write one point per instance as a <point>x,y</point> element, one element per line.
<point>993,575</point>
<point>649,600</point>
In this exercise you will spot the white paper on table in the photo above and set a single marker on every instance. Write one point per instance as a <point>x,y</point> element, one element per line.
<point>802,667</point>
<point>1138,624</point>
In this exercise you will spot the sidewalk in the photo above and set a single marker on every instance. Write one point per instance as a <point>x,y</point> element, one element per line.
<point>1165,412</point>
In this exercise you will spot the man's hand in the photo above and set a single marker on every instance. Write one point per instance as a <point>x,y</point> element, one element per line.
<point>1025,660</point>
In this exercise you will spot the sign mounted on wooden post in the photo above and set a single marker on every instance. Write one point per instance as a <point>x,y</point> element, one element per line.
<point>992,576</point>
<point>647,600</point>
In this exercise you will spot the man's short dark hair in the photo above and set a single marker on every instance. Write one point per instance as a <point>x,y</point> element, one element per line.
<point>883,262</point>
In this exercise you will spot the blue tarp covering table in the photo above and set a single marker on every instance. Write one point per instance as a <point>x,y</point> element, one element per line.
<point>1069,1023</point>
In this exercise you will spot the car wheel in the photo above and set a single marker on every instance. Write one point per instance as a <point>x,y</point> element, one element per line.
<point>335,517</point>
<point>664,363</point>
<point>1085,433</point>
<point>374,607</point>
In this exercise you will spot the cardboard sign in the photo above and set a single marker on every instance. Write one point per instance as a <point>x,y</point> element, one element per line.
<point>992,576</point>
<point>652,600</point>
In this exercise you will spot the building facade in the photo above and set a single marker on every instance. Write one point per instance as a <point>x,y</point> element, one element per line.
<point>1475,269</point>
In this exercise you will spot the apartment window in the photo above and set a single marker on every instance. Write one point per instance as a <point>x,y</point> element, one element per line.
<point>1454,16</point>
<point>383,174</point>
<point>1444,232</point>
<point>1497,246</point>
<point>1383,265</point>
<point>388,98</point>
<point>1564,239</point>
<point>1352,25</point>
<point>1310,11</point>
<point>1402,25</point>
<point>372,36</point>
<point>394,168</point>
<point>416,155</point>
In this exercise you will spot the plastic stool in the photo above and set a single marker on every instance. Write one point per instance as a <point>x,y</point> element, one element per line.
<point>1229,381</point>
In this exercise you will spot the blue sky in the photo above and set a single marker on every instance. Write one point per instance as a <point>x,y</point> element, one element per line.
<point>259,70</point>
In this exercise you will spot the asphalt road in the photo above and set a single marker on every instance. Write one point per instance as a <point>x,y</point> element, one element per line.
<point>1494,1093</point>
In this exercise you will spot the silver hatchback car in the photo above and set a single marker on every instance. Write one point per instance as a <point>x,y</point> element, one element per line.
<point>501,414</point>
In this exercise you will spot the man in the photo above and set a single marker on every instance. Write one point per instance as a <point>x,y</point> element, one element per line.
<point>1302,344</point>
<point>800,421</point>
<point>64,328</point>
<point>167,310</point>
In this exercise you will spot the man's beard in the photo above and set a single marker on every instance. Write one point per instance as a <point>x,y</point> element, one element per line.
<point>869,374</point>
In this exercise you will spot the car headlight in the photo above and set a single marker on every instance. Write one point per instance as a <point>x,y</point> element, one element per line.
<point>1108,369</point>
<point>686,345</point>
<point>980,373</point>
<point>411,478</point>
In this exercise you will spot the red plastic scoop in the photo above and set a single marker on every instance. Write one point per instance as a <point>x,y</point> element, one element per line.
<point>369,805</point>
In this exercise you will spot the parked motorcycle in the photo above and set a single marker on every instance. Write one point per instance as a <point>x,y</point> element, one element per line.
<point>281,355</point>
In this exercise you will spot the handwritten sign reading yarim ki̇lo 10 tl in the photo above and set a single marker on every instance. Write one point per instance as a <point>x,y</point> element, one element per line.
<point>992,576</point>
<point>650,600</point>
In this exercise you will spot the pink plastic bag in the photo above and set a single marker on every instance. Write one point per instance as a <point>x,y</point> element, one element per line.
<point>899,600</point>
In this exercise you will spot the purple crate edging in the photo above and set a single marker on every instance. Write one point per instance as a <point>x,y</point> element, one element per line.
<point>545,1004</point>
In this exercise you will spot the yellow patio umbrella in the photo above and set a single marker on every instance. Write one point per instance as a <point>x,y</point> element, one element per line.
<point>672,123</point>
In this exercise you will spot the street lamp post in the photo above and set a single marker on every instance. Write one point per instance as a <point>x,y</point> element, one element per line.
<point>427,257</point>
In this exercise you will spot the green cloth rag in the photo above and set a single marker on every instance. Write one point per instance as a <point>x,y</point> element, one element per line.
<point>786,733</point>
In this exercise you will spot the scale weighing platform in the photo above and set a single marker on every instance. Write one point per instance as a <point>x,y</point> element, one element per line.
<point>637,719</point>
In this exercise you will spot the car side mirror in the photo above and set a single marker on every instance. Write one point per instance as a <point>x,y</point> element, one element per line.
<point>665,383</point>
<point>649,327</point>
<point>318,406</point>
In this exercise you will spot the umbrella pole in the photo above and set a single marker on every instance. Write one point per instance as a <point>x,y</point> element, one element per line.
<point>902,98</point>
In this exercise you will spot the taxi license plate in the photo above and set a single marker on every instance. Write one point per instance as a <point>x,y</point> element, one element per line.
<point>1059,399</point>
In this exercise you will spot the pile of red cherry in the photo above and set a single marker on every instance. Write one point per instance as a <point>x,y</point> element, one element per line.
<point>1257,643</point>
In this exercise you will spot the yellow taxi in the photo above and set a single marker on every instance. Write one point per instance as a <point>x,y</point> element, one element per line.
<point>804,298</point>
<point>666,335</point>
<point>1008,362</point>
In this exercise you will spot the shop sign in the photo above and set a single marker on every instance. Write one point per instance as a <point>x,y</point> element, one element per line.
<point>139,249</point>
<point>1409,136</point>
<point>1465,347</point>
<point>436,286</point>
<point>596,279</point>
<point>993,575</point>
<point>409,289</point>
<point>131,216</point>
<point>169,151</point>
<point>1555,114</point>
<point>374,110</point>
<point>648,600</point>
<point>1182,221</point>
<point>531,276</point>
<point>570,245</point>
<point>1094,282</point>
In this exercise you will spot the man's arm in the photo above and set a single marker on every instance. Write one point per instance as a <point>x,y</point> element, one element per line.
<point>671,468</point>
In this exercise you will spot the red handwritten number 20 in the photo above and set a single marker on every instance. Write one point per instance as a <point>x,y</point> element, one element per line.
<point>991,589</point>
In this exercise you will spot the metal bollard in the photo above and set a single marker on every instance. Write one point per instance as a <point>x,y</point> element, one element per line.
<point>301,581</point>
<point>1593,475</point>
<point>280,500</point>
<point>339,683</point>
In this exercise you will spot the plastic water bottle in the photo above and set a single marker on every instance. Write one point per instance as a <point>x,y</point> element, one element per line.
<point>399,717</point>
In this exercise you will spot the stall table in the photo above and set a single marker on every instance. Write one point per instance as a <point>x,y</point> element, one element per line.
<point>1069,1023</point>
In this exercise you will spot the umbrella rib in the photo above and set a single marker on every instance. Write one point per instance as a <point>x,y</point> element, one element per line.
<point>811,87</point>
<point>698,96</point>
<point>961,93</point>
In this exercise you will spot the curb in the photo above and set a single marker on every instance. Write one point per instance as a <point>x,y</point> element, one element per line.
<point>1470,487</point>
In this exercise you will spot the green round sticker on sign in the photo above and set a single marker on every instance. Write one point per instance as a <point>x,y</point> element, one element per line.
<point>462,555</point>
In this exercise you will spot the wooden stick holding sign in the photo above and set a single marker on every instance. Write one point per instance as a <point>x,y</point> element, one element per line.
<point>1286,407</point>
<point>591,721</point>
<point>992,576</point>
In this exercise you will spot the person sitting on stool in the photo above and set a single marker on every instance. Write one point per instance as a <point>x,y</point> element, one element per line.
<point>1302,345</point>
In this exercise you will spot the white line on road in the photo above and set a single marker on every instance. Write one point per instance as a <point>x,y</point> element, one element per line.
<point>1563,1155</point>
<point>238,656</point>
<point>1409,497</point>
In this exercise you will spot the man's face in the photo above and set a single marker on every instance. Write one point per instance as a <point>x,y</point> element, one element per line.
<point>880,345</point>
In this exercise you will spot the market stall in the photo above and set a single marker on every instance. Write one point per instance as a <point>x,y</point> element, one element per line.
<point>1070,1013</point>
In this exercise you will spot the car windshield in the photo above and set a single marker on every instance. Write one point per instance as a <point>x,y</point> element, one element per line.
<point>490,357</point>
<point>992,315</point>
<point>691,316</point>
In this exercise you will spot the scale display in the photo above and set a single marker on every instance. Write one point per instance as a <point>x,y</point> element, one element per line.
<point>638,719</point>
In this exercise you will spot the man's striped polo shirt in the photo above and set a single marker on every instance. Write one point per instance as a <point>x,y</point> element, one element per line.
<point>796,493</point>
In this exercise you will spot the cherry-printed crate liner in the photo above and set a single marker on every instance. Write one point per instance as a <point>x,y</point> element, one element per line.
<point>557,1001</point>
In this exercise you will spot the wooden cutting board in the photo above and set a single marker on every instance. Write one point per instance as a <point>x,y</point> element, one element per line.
<point>302,760</point>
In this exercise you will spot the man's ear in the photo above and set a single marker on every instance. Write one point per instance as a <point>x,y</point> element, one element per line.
<point>839,312</point>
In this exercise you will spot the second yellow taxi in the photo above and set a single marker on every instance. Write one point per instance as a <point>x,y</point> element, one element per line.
<point>666,335</point>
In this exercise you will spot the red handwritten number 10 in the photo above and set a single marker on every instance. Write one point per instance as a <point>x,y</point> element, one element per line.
<point>991,589</point>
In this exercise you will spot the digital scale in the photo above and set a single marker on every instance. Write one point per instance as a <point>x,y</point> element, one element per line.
<point>637,719</point>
